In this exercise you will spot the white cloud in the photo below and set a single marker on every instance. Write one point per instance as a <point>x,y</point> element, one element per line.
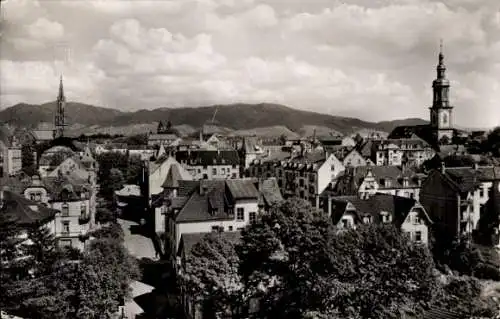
<point>372,59</point>
<point>43,29</point>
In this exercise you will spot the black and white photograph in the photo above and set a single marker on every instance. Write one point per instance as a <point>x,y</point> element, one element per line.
<point>249,159</point>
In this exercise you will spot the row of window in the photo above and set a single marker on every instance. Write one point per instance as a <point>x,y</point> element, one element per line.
<point>65,209</point>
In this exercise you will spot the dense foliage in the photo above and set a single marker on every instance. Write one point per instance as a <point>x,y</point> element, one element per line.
<point>53,282</point>
<point>117,169</point>
<point>28,160</point>
<point>299,266</point>
<point>212,275</point>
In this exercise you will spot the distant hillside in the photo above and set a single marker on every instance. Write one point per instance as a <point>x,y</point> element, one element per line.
<point>29,115</point>
<point>84,118</point>
<point>270,131</point>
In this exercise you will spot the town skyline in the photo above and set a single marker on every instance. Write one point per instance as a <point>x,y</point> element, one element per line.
<point>132,58</point>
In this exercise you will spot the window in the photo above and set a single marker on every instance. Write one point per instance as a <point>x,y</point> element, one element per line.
<point>65,227</point>
<point>230,228</point>
<point>367,219</point>
<point>65,242</point>
<point>418,236</point>
<point>65,210</point>
<point>240,214</point>
<point>385,217</point>
<point>83,209</point>
<point>32,196</point>
<point>416,220</point>
<point>301,182</point>
<point>217,228</point>
<point>252,216</point>
<point>233,175</point>
<point>223,170</point>
<point>481,192</point>
<point>345,223</point>
<point>214,171</point>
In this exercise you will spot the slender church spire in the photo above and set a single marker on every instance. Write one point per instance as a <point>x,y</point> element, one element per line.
<point>441,68</point>
<point>59,120</point>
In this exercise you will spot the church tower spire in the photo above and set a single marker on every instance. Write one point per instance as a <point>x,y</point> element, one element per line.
<point>441,110</point>
<point>59,120</point>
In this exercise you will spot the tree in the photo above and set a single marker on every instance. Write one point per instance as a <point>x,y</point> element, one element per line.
<point>463,295</point>
<point>134,170</point>
<point>211,275</point>
<point>104,277</point>
<point>28,159</point>
<point>493,142</point>
<point>104,215</point>
<point>9,232</point>
<point>114,182</point>
<point>306,265</point>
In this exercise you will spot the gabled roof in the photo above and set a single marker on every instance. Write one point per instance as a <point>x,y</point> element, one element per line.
<point>242,189</point>
<point>208,194</point>
<point>173,177</point>
<point>463,179</point>
<point>65,187</point>
<point>270,192</point>
<point>21,210</point>
<point>188,241</point>
<point>208,157</point>
<point>397,206</point>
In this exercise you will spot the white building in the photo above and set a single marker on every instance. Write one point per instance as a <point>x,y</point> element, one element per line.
<point>210,164</point>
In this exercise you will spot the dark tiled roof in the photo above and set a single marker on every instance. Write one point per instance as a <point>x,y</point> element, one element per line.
<point>65,187</point>
<point>242,189</point>
<point>208,157</point>
<point>422,131</point>
<point>397,206</point>
<point>188,241</point>
<point>20,209</point>
<point>173,177</point>
<point>366,148</point>
<point>416,142</point>
<point>313,157</point>
<point>489,173</point>
<point>463,179</point>
<point>270,191</point>
<point>197,206</point>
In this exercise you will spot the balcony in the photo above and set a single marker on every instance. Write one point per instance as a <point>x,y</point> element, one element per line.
<point>83,219</point>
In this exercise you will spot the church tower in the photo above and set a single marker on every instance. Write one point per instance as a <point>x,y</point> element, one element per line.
<point>441,110</point>
<point>59,120</point>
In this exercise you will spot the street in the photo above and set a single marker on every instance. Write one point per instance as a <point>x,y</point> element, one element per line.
<point>137,244</point>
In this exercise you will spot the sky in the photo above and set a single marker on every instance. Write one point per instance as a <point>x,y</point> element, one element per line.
<point>371,59</point>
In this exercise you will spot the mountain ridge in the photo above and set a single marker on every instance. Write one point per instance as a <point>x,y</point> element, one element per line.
<point>237,116</point>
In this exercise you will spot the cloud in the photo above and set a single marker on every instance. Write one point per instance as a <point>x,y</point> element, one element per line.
<point>372,59</point>
<point>43,29</point>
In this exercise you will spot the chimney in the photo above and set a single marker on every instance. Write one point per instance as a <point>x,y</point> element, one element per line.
<point>443,168</point>
<point>476,166</point>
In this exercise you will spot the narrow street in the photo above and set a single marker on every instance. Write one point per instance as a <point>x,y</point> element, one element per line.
<point>149,298</point>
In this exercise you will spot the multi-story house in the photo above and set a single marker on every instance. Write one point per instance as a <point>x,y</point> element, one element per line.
<point>406,213</point>
<point>365,181</point>
<point>10,155</point>
<point>72,198</point>
<point>159,171</point>
<point>215,205</point>
<point>396,152</point>
<point>26,213</point>
<point>452,198</point>
<point>304,176</point>
<point>210,164</point>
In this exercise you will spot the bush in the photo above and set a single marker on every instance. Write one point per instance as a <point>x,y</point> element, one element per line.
<point>113,230</point>
<point>487,272</point>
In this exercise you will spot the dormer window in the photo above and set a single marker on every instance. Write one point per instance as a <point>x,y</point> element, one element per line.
<point>386,218</point>
<point>367,219</point>
<point>405,182</point>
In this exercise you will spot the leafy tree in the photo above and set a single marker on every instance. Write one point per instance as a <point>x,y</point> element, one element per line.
<point>463,295</point>
<point>104,215</point>
<point>492,143</point>
<point>133,174</point>
<point>114,182</point>
<point>28,159</point>
<point>306,265</point>
<point>211,275</point>
<point>105,273</point>
<point>108,161</point>
<point>113,231</point>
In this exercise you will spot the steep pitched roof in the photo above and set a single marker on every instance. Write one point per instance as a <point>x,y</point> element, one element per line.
<point>173,177</point>
<point>26,213</point>
<point>464,179</point>
<point>397,206</point>
<point>208,157</point>
<point>242,189</point>
<point>270,191</point>
<point>188,241</point>
<point>209,194</point>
